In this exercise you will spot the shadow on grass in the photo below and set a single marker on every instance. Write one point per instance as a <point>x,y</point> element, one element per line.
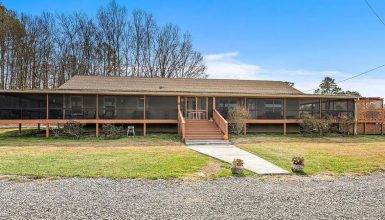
<point>300,173</point>
<point>24,133</point>
<point>239,174</point>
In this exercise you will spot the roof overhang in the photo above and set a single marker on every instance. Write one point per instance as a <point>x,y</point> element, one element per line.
<point>175,93</point>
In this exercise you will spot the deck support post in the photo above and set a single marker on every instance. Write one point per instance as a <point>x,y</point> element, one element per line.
<point>284,128</point>
<point>38,126</point>
<point>245,129</point>
<point>144,129</point>
<point>382,128</point>
<point>19,129</point>
<point>47,130</point>
<point>97,130</point>
<point>355,128</point>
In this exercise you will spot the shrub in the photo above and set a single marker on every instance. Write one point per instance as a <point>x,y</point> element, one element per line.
<point>111,131</point>
<point>237,167</point>
<point>73,129</point>
<point>237,116</point>
<point>56,132</point>
<point>346,124</point>
<point>238,162</point>
<point>321,126</point>
<point>298,160</point>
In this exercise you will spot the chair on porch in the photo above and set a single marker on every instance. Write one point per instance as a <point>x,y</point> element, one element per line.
<point>130,130</point>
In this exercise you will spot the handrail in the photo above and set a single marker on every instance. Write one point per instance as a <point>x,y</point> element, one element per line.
<point>181,125</point>
<point>220,122</point>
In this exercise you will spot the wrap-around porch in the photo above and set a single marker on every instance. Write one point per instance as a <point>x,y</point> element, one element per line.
<point>53,108</point>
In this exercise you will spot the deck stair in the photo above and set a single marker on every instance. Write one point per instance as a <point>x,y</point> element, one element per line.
<point>202,130</point>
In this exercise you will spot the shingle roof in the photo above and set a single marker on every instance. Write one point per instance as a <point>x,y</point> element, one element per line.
<point>166,85</point>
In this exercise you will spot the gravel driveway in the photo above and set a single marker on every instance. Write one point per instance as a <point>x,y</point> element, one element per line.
<point>240,198</point>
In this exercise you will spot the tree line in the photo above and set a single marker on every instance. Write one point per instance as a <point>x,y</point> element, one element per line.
<point>39,52</point>
<point>329,86</point>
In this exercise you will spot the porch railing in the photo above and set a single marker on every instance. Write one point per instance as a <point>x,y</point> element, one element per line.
<point>181,125</point>
<point>196,114</point>
<point>220,122</point>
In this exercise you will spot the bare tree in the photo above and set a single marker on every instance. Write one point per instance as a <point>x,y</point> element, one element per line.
<point>47,50</point>
<point>112,22</point>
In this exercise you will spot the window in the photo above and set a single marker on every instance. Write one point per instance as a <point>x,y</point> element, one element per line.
<point>141,103</point>
<point>265,108</point>
<point>223,105</point>
<point>109,102</point>
<point>76,104</point>
<point>337,108</point>
<point>273,109</point>
<point>56,103</point>
<point>161,107</point>
<point>109,107</point>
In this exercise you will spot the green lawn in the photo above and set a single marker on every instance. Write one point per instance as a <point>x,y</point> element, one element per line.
<point>164,156</point>
<point>151,157</point>
<point>333,155</point>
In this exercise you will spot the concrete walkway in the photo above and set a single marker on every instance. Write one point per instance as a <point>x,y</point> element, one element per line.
<point>228,153</point>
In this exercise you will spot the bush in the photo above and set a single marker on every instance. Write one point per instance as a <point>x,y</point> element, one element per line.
<point>237,167</point>
<point>111,131</point>
<point>238,162</point>
<point>73,129</point>
<point>237,116</point>
<point>298,160</point>
<point>346,124</point>
<point>321,126</point>
<point>56,132</point>
<point>329,124</point>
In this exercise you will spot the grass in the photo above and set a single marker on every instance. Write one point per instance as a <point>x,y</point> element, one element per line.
<point>110,162</point>
<point>150,157</point>
<point>335,155</point>
<point>164,156</point>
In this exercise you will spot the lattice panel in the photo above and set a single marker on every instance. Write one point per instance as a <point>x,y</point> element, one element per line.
<point>370,110</point>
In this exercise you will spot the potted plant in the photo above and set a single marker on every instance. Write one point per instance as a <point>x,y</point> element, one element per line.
<point>237,167</point>
<point>298,164</point>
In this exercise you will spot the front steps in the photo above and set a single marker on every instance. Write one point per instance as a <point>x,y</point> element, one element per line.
<point>206,142</point>
<point>202,131</point>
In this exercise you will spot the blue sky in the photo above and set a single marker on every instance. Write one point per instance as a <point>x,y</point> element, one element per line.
<point>299,41</point>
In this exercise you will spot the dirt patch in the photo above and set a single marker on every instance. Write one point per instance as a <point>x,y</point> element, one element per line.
<point>206,172</point>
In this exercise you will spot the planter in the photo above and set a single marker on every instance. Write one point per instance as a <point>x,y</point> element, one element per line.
<point>237,169</point>
<point>297,167</point>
